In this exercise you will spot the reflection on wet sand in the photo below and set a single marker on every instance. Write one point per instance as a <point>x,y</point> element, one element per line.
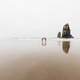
<point>44,43</point>
<point>29,60</point>
<point>66,46</point>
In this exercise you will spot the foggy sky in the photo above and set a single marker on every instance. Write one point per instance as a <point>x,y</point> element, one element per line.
<point>37,18</point>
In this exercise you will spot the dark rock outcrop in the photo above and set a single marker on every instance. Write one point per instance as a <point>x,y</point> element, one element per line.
<point>59,35</point>
<point>66,32</point>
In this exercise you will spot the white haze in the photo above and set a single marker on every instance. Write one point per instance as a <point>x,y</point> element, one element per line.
<point>37,18</point>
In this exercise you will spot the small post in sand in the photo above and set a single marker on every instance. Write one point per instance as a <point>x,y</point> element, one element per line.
<point>44,39</point>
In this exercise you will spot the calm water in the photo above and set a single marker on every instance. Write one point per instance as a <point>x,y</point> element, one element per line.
<point>33,59</point>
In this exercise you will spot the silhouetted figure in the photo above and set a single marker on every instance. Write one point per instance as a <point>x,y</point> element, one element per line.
<point>66,32</point>
<point>44,39</point>
<point>66,46</point>
<point>59,35</point>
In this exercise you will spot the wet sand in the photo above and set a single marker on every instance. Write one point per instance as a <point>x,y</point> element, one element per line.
<point>32,59</point>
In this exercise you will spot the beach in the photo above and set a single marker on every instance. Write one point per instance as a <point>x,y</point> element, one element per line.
<point>32,59</point>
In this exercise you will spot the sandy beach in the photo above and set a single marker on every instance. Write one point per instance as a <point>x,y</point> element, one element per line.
<point>32,59</point>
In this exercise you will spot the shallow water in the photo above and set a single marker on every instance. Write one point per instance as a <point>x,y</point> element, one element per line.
<point>32,59</point>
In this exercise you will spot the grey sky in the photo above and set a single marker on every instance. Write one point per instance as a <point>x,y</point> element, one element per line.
<point>36,18</point>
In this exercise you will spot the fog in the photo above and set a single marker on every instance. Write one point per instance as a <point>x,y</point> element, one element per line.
<point>37,18</point>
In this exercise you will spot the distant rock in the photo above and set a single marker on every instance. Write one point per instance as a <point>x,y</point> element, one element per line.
<point>59,35</point>
<point>66,32</point>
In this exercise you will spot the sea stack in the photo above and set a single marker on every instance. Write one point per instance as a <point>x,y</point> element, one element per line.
<point>66,32</point>
<point>59,35</point>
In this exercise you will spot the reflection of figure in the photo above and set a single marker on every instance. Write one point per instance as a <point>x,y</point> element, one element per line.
<point>44,39</point>
<point>66,46</point>
<point>66,32</point>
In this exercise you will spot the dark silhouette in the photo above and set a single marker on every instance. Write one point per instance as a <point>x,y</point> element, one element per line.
<point>59,35</point>
<point>44,39</point>
<point>66,46</point>
<point>66,32</point>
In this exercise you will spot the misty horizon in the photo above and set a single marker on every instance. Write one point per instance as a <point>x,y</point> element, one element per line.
<point>38,18</point>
